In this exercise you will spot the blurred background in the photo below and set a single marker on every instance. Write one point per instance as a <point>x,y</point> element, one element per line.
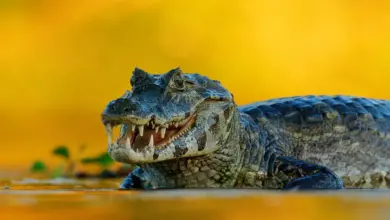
<point>62,61</point>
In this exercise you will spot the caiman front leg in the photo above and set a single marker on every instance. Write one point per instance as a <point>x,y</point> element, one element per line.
<point>137,179</point>
<point>302,175</point>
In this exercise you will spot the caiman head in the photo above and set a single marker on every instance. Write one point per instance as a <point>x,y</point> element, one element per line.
<point>168,116</point>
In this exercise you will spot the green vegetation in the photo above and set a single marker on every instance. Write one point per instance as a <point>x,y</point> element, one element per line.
<point>61,151</point>
<point>104,160</point>
<point>38,167</point>
<point>67,168</point>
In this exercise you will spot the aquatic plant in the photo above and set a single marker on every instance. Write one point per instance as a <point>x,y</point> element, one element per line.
<point>67,168</point>
<point>38,166</point>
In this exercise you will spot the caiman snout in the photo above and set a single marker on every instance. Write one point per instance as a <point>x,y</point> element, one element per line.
<point>120,106</point>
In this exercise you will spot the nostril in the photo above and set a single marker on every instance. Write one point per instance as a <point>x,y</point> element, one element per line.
<point>112,108</point>
<point>126,109</point>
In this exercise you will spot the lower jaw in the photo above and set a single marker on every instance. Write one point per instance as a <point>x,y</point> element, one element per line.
<point>124,152</point>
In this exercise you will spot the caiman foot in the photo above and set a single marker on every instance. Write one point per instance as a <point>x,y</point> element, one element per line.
<point>135,180</point>
<point>302,175</point>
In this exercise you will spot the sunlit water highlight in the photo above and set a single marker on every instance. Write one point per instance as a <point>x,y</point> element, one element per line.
<point>74,199</point>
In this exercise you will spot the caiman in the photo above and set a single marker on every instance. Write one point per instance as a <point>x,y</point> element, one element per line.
<point>186,131</point>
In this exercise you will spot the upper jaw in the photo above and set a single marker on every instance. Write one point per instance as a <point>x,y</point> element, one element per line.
<point>139,124</point>
<point>144,120</point>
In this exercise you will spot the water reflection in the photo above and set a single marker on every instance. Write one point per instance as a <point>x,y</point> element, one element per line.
<point>49,200</point>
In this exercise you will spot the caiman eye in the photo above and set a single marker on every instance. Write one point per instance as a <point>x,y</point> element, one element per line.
<point>177,83</point>
<point>180,83</point>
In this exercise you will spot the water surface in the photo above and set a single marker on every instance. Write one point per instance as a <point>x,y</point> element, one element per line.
<point>75,199</point>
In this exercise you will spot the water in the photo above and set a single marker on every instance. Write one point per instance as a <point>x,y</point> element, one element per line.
<point>75,199</point>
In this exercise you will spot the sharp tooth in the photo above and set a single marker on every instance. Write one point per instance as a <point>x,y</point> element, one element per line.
<point>151,141</point>
<point>139,156</point>
<point>109,139</point>
<point>108,128</point>
<point>147,124</point>
<point>134,155</point>
<point>156,129</point>
<point>141,130</point>
<point>169,140</point>
<point>128,145</point>
<point>176,124</point>
<point>109,133</point>
<point>163,132</point>
<point>152,126</point>
<point>123,130</point>
<point>132,128</point>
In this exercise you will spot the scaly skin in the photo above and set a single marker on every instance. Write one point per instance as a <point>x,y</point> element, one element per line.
<point>309,142</point>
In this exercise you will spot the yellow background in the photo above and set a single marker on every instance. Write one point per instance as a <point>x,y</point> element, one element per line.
<point>62,61</point>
